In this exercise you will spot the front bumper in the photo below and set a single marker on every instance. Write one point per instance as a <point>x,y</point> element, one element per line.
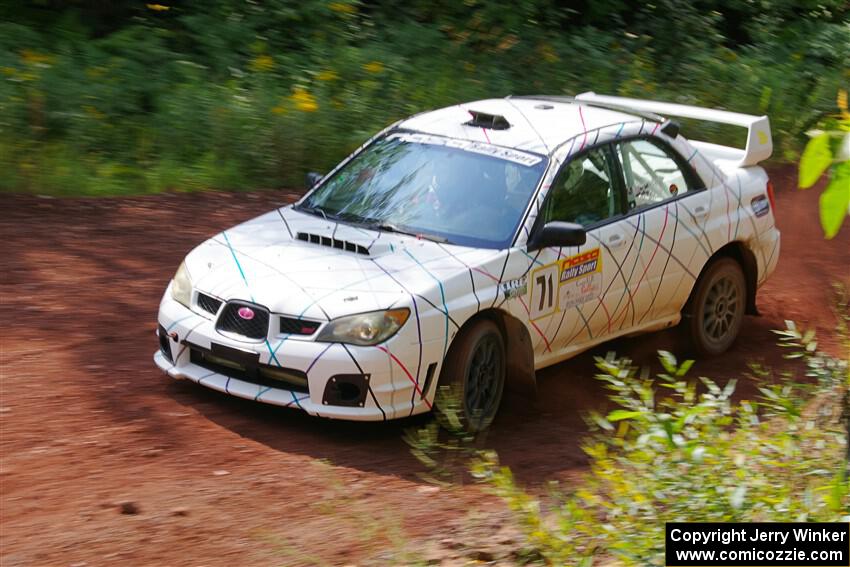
<point>395,385</point>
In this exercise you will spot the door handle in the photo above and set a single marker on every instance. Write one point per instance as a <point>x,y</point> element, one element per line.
<point>700,211</point>
<point>616,240</point>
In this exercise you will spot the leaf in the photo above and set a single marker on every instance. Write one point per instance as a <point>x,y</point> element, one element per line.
<point>685,368</point>
<point>601,421</point>
<point>844,149</point>
<point>736,499</point>
<point>698,453</point>
<point>838,491</point>
<point>815,159</point>
<point>619,415</point>
<point>835,200</point>
<point>668,361</point>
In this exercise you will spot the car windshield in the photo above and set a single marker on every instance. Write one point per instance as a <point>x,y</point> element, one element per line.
<point>461,192</point>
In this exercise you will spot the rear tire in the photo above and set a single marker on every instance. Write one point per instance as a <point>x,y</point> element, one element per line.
<point>475,371</point>
<point>716,309</point>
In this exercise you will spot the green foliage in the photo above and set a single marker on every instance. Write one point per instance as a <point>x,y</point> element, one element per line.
<point>835,199</point>
<point>683,450</point>
<point>443,446</point>
<point>816,158</point>
<point>117,97</point>
<point>829,152</point>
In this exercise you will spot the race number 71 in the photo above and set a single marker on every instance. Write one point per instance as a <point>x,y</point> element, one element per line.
<point>544,291</point>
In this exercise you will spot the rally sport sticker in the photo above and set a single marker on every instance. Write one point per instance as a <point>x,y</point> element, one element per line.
<point>566,283</point>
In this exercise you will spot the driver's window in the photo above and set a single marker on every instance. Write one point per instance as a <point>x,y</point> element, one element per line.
<point>651,174</point>
<point>584,191</point>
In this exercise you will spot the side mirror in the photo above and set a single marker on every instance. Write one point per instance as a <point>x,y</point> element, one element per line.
<point>558,233</point>
<point>313,177</point>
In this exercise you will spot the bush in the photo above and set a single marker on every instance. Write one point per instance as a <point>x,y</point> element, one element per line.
<point>678,449</point>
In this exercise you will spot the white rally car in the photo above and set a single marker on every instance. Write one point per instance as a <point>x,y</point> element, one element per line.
<point>472,245</point>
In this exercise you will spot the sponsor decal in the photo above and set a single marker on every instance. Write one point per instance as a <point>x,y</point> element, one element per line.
<point>515,288</point>
<point>515,156</point>
<point>566,284</point>
<point>760,205</point>
<point>581,279</point>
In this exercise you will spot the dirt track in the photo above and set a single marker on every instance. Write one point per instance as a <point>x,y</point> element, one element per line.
<point>89,422</point>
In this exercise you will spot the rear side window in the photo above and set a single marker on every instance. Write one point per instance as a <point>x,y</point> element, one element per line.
<point>652,173</point>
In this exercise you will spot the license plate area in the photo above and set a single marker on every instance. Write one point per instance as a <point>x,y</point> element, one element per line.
<point>245,365</point>
<point>245,359</point>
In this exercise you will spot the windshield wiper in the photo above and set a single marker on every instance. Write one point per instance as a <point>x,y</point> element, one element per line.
<point>312,210</point>
<point>338,216</point>
<point>342,216</point>
<point>388,227</point>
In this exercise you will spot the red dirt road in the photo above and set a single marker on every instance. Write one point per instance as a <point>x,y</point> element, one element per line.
<point>87,422</point>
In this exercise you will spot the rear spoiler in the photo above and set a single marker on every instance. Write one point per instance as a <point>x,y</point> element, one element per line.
<point>759,142</point>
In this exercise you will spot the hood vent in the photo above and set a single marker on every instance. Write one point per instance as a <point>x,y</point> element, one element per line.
<point>332,243</point>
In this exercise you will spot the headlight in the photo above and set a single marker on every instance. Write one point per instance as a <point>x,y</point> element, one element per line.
<point>181,286</point>
<point>365,329</point>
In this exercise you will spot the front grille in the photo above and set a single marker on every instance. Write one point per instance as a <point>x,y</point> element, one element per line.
<point>332,243</point>
<point>261,374</point>
<point>293,326</point>
<point>165,344</point>
<point>255,327</point>
<point>208,303</point>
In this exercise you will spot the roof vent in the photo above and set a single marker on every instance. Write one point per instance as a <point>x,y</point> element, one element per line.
<point>491,121</point>
<point>332,243</point>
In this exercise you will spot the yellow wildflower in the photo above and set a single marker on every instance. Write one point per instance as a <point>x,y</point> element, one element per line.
<point>33,58</point>
<point>262,63</point>
<point>327,75</point>
<point>303,100</point>
<point>158,7</point>
<point>548,53</point>
<point>95,72</point>
<point>841,101</point>
<point>374,67</point>
<point>342,7</point>
<point>279,109</point>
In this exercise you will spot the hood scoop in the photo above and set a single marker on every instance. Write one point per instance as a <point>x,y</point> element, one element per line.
<point>346,245</point>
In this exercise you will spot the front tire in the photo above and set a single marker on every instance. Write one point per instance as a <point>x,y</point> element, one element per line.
<point>716,308</point>
<point>475,370</point>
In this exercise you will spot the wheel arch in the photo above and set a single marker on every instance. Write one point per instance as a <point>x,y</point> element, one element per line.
<point>519,372</point>
<point>745,257</point>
